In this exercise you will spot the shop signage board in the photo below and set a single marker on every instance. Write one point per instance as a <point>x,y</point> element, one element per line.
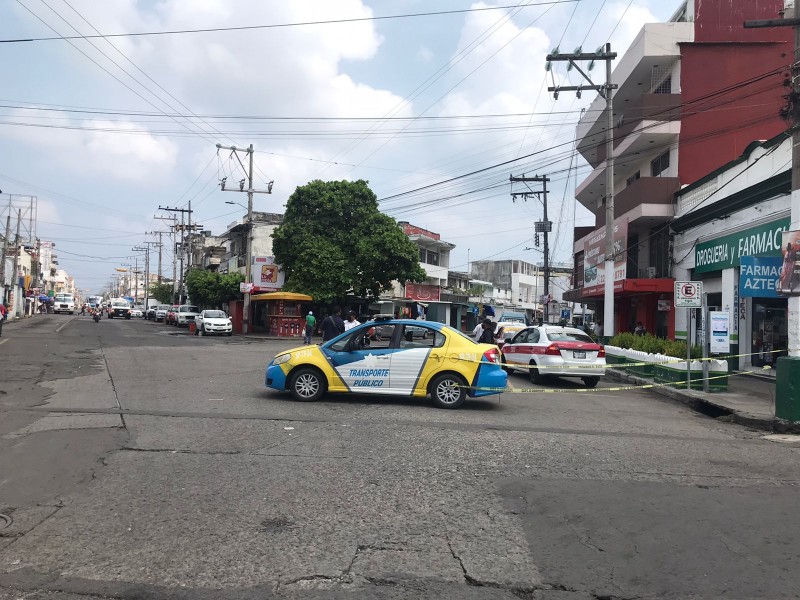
<point>688,294</point>
<point>423,292</point>
<point>594,255</point>
<point>759,276</point>
<point>267,274</point>
<point>246,288</point>
<point>725,252</point>
<point>720,341</point>
<point>789,281</point>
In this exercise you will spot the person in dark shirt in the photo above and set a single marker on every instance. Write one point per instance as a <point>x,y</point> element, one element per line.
<point>332,325</point>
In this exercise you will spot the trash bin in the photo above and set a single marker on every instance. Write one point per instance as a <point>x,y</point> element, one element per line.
<point>192,327</point>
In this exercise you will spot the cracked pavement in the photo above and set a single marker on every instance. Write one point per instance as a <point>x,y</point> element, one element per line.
<point>143,465</point>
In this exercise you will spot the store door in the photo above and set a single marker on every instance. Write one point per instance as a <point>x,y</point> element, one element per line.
<point>770,332</point>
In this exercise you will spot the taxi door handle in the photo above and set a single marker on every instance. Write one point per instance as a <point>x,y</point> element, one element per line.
<point>382,357</point>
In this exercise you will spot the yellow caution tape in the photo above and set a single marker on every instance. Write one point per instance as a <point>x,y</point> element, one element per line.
<point>622,388</point>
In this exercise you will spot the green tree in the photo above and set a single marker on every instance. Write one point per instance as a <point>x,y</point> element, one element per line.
<point>161,292</point>
<point>212,289</point>
<point>334,240</point>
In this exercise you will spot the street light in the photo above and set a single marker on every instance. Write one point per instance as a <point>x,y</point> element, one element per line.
<point>236,203</point>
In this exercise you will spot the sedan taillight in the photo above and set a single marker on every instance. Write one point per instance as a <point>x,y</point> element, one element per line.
<point>553,350</point>
<point>601,353</point>
<point>492,355</point>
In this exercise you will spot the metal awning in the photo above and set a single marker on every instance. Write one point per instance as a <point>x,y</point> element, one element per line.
<point>282,296</point>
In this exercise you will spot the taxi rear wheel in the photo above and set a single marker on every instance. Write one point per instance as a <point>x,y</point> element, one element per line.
<point>448,391</point>
<point>591,382</point>
<point>306,385</point>
<point>536,377</point>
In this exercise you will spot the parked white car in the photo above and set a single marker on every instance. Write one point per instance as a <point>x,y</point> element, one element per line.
<point>213,321</point>
<point>136,312</point>
<point>545,351</point>
<point>186,314</point>
<point>161,312</point>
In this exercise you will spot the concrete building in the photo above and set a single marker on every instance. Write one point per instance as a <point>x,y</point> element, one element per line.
<point>692,94</point>
<point>235,243</point>
<point>728,228</point>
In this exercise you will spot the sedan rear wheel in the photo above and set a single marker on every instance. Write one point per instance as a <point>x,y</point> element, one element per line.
<point>448,391</point>
<point>591,382</point>
<point>536,377</point>
<point>306,384</point>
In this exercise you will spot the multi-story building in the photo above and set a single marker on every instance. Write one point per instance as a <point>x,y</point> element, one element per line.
<point>692,94</point>
<point>525,282</point>
<point>235,242</point>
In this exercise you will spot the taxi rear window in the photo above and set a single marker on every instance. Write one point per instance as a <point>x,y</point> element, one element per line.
<point>562,335</point>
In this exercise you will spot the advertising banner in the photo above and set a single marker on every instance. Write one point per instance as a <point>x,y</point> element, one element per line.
<point>789,282</point>
<point>720,332</point>
<point>267,275</point>
<point>423,292</point>
<point>759,276</point>
<point>594,256</point>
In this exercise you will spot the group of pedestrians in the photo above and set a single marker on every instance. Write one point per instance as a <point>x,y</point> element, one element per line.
<point>331,326</point>
<point>488,332</point>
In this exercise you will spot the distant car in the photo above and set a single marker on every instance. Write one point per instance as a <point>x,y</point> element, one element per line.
<point>445,364</point>
<point>186,314</point>
<point>169,316</point>
<point>213,321</point>
<point>161,312</point>
<point>136,312</point>
<point>546,350</point>
<point>150,313</point>
<point>512,323</point>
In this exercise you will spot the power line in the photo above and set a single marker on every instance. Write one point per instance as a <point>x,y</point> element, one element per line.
<point>280,25</point>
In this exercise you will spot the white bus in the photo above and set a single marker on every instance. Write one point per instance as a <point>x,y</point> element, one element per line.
<point>64,303</point>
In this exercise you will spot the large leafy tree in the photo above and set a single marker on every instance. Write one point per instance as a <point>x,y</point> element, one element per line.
<point>161,292</point>
<point>334,240</point>
<point>212,289</point>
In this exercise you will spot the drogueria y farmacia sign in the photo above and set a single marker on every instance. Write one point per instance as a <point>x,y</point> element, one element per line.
<point>724,252</point>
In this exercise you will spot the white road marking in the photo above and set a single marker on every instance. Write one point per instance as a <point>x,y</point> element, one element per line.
<point>3,341</point>
<point>60,327</point>
<point>783,437</point>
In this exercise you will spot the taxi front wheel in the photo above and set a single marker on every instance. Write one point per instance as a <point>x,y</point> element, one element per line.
<point>306,385</point>
<point>448,391</point>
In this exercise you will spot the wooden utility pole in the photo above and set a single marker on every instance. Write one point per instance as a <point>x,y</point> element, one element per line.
<point>3,257</point>
<point>15,278</point>
<point>544,227</point>
<point>606,91</point>
<point>248,274</point>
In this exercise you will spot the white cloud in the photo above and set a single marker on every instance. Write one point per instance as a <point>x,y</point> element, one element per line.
<point>424,54</point>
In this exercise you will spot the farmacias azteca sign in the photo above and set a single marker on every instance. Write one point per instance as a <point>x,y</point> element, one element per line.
<point>725,252</point>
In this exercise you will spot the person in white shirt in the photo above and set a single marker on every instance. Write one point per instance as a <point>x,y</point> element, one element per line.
<point>351,321</point>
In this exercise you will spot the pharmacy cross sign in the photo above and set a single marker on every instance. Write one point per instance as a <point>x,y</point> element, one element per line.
<point>688,294</point>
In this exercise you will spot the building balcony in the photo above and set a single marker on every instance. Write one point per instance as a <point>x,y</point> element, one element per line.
<point>647,198</point>
<point>656,47</point>
<point>638,147</point>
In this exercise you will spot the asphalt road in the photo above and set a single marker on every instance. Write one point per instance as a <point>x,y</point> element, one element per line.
<point>140,462</point>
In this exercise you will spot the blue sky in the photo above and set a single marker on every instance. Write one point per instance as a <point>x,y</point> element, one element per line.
<point>99,187</point>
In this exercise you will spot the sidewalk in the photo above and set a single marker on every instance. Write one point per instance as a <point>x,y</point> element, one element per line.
<point>749,401</point>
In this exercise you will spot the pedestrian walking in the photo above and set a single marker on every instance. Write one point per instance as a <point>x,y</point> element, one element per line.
<point>640,330</point>
<point>597,329</point>
<point>487,336</point>
<point>332,325</point>
<point>3,316</point>
<point>311,321</point>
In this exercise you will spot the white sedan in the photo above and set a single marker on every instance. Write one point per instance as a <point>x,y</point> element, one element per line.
<point>213,321</point>
<point>555,351</point>
<point>136,312</point>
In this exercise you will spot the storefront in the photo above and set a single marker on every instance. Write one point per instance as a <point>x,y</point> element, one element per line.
<point>739,271</point>
<point>279,314</point>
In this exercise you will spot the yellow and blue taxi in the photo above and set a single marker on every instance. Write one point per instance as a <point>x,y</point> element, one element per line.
<point>400,357</point>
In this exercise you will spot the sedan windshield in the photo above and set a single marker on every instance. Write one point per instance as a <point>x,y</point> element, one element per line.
<point>214,314</point>
<point>188,309</point>
<point>566,335</point>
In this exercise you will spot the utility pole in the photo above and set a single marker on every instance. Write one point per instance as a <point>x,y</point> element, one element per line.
<point>15,278</point>
<point>248,274</point>
<point>787,379</point>
<point>605,91</point>
<point>3,257</point>
<point>172,228</point>
<point>147,269</point>
<point>544,226</point>
<point>183,212</point>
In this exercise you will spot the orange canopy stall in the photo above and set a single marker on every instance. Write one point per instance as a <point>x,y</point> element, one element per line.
<point>282,314</point>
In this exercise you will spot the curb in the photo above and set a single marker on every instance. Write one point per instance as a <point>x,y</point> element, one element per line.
<point>703,404</point>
